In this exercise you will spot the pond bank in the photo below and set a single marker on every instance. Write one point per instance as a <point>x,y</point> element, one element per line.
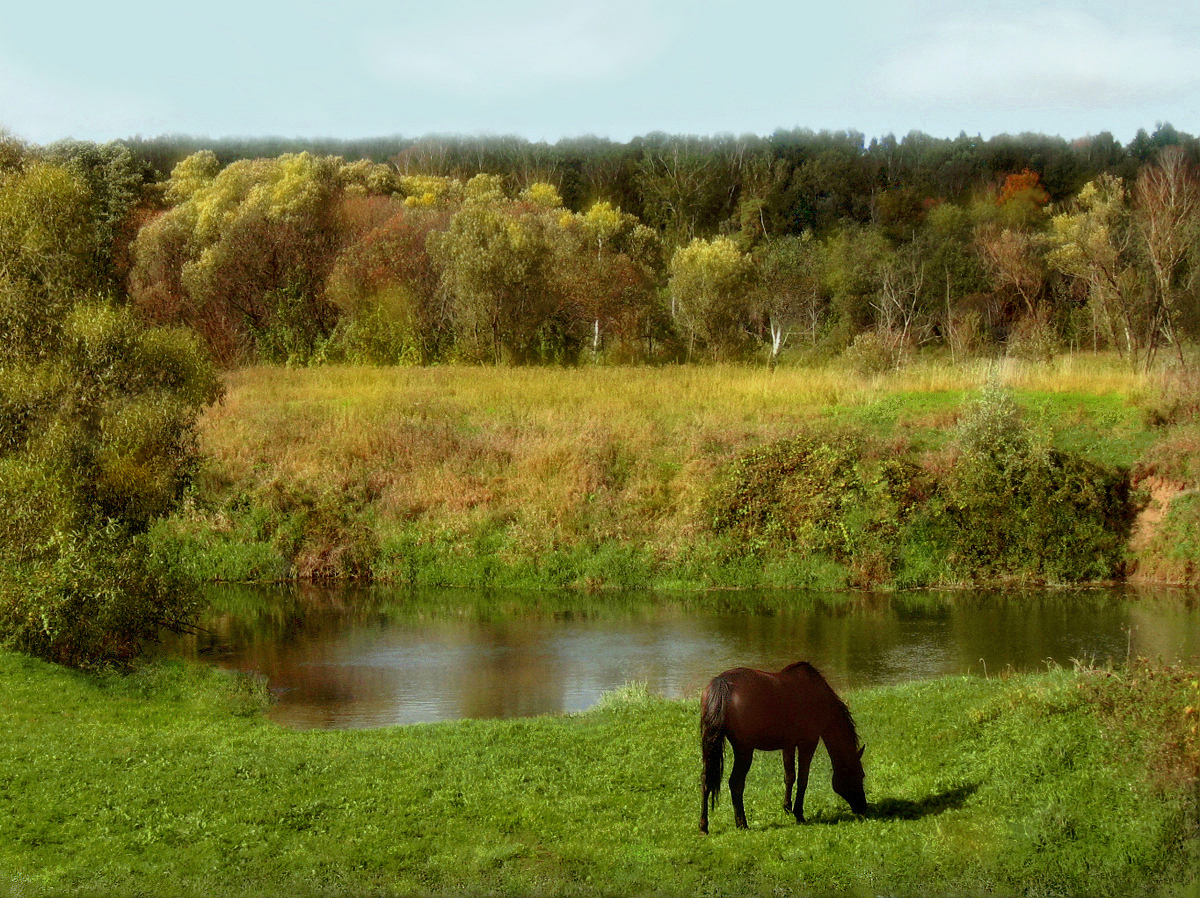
<point>691,478</point>
<point>171,781</point>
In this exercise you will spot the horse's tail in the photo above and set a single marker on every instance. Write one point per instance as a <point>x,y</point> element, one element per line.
<point>712,737</point>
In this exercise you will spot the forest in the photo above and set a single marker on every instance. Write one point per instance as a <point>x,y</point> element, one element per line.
<point>664,249</point>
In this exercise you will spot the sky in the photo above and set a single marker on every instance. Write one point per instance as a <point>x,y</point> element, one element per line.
<point>547,70</point>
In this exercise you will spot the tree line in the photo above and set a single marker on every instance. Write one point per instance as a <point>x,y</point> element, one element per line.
<point>665,248</point>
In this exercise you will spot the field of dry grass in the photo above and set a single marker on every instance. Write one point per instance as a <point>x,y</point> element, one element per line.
<point>523,463</point>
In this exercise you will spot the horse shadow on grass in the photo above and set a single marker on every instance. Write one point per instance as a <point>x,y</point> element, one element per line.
<point>899,808</point>
<point>930,806</point>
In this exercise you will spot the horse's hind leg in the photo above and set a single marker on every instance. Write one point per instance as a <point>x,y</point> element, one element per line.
<point>742,758</point>
<point>789,776</point>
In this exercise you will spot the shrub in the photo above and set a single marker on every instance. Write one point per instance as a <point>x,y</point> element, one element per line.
<point>873,352</point>
<point>1015,507</point>
<point>97,441</point>
<point>1034,339</point>
<point>95,599</point>
<point>834,495</point>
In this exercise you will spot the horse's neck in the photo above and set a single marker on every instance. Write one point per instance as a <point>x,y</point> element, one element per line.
<point>841,742</point>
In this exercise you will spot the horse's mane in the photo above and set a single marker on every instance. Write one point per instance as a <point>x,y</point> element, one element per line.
<point>805,666</point>
<point>839,707</point>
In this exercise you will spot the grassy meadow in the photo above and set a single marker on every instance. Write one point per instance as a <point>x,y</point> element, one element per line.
<point>170,781</point>
<point>593,477</point>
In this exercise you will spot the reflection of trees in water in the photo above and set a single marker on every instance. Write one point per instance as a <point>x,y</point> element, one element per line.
<point>350,657</point>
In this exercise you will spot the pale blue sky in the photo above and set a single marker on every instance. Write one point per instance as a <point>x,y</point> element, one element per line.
<point>617,69</point>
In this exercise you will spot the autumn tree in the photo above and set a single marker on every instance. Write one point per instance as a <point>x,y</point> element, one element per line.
<point>607,261</point>
<point>1135,251</point>
<point>385,287</point>
<point>495,257</point>
<point>244,255</point>
<point>1094,241</point>
<point>711,286</point>
<point>1015,263</point>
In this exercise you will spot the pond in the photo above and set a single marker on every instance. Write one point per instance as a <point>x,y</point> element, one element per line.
<point>351,658</point>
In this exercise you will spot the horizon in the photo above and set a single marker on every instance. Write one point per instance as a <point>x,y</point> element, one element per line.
<point>866,139</point>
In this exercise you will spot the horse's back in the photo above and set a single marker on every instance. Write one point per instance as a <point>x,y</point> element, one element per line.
<point>775,710</point>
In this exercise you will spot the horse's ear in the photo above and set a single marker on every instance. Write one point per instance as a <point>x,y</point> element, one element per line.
<point>860,752</point>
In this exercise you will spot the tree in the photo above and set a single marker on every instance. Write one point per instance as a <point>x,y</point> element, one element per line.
<point>46,249</point>
<point>1167,218</point>
<point>852,264</point>
<point>385,287</point>
<point>495,259</point>
<point>605,263</point>
<point>116,184</point>
<point>683,188</point>
<point>1094,241</point>
<point>788,292</point>
<point>900,309</point>
<point>245,254</point>
<point>1022,200</point>
<point>97,441</point>
<point>711,284</point>
<point>1014,260</point>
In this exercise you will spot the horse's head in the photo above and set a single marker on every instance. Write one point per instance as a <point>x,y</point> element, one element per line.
<point>848,783</point>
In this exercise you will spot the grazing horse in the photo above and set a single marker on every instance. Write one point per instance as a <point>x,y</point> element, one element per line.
<point>789,711</point>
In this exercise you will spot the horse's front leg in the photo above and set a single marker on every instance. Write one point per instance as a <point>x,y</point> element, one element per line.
<point>804,756</point>
<point>742,758</point>
<point>789,776</point>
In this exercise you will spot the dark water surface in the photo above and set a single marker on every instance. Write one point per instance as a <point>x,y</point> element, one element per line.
<point>378,657</point>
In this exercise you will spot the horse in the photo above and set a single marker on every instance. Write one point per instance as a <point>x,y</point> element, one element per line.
<point>787,711</point>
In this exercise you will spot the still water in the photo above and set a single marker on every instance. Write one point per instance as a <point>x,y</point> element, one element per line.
<point>375,657</point>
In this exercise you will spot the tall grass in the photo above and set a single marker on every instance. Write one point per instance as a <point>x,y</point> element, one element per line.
<point>585,476</point>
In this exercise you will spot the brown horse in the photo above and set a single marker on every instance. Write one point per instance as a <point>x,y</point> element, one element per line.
<point>789,711</point>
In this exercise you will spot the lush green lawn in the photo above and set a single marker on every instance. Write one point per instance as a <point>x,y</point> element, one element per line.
<point>170,781</point>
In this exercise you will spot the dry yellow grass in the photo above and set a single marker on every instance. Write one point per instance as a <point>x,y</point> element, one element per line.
<point>556,457</point>
<point>314,424</point>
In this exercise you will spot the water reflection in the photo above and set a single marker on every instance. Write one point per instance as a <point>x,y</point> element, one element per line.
<point>367,658</point>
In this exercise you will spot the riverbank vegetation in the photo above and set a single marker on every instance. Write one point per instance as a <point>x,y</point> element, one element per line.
<point>939,474</point>
<point>170,781</point>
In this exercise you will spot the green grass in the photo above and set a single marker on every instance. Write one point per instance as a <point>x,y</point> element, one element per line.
<point>170,781</point>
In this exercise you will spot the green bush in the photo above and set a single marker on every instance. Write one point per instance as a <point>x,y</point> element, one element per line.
<point>1015,507</point>
<point>833,495</point>
<point>95,599</point>
<point>97,441</point>
<point>1006,506</point>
